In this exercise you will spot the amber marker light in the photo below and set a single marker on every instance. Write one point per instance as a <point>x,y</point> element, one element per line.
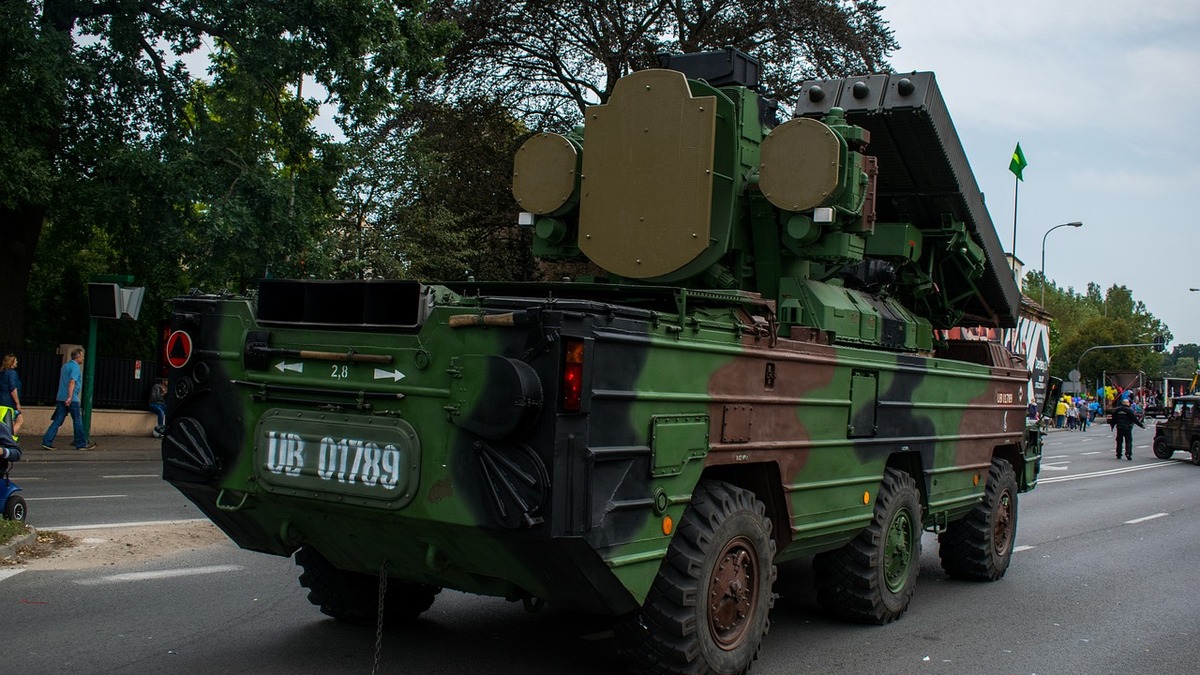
<point>975,480</point>
<point>668,525</point>
<point>866,498</point>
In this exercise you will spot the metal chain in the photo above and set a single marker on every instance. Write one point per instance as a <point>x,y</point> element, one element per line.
<point>383,580</point>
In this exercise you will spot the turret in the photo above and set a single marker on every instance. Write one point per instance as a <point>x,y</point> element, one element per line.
<point>683,179</point>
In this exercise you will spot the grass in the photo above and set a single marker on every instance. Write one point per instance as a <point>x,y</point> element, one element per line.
<point>10,529</point>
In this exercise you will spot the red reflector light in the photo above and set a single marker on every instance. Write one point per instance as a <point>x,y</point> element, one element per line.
<point>572,376</point>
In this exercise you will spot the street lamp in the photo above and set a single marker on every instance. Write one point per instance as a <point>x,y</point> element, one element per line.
<point>1074,224</point>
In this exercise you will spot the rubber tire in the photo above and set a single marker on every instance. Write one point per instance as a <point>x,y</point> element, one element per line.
<point>353,597</point>
<point>1161,450</point>
<point>979,547</point>
<point>724,528</point>
<point>851,581</point>
<point>1196,452</point>
<point>15,509</point>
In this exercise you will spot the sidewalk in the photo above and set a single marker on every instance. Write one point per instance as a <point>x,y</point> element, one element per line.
<point>108,449</point>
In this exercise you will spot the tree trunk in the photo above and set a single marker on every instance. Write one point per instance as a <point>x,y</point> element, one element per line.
<point>21,229</point>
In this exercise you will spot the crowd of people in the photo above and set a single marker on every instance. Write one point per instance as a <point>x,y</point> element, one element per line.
<point>1077,413</point>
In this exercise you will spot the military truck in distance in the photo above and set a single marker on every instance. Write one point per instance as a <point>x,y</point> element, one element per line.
<point>752,375</point>
<point>1181,429</point>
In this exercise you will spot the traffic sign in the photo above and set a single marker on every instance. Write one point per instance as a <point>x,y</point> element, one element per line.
<point>179,349</point>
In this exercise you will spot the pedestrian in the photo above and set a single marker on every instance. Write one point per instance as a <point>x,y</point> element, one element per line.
<point>10,390</point>
<point>158,403</point>
<point>70,390</point>
<point>1082,409</point>
<point>1060,413</point>
<point>1123,419</point>
<point>1072,417</point>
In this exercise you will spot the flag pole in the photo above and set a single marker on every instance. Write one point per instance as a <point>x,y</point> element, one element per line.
<point>1016,193</point>
<point>1016,166</point>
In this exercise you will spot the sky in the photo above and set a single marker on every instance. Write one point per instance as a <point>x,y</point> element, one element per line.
<point>1102,96</point>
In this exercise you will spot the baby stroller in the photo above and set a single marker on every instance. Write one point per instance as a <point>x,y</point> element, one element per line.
<point>14,504</point>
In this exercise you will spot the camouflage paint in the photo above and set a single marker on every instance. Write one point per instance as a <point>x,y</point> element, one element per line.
<point>423,426</point>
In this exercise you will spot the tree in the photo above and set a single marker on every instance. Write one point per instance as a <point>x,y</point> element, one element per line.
<point>99,109</point>
<point>429,196</point>
<point>1185,366</point>
<point>1092,319</point>
<point>552,58</point>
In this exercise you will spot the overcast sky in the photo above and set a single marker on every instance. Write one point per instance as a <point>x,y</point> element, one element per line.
<point>1103,96</point>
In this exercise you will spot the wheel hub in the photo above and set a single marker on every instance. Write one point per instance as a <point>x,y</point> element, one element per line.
<point>1002,535</point>
<point>898,552</point>
<point>731,594</point>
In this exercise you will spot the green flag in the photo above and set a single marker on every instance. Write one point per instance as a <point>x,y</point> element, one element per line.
<point>1018,163</point>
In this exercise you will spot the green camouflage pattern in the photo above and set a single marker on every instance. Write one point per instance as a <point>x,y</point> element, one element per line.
<point>276,455</point>
<point>542,441</point>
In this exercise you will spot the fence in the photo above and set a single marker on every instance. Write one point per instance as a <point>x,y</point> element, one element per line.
<point>117,383</point>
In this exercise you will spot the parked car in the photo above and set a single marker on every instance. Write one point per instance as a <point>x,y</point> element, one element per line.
<point>1181,431</point>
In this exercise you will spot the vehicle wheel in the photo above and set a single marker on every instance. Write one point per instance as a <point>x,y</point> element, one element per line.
<point>354,597</point>
<point>707,610</point>
<point>14,509</point>
<point>871,578</point>
<point>1161,450</point>
<point>979,547</point>
<point>1196,451</point>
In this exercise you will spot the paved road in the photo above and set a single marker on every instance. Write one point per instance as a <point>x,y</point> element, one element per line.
<point>1100,584</point>
<point>120,482</point>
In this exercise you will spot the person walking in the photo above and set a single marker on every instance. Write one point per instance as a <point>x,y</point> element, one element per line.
<point>1123,419</point>
<point>10,390</point>
<point>1060,413</point>
<point>70,391</point>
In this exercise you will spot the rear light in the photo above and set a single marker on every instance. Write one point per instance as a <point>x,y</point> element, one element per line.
<point>572,376</point>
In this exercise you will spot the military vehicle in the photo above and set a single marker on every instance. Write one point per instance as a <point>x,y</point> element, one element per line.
<point>1181,429</point>
<point>749,373</point>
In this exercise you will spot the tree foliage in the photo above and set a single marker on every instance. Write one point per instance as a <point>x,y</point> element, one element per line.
<point>111,148</point>
<point>429,196</point>
<point>549,59</point>
<point>1096,318</point>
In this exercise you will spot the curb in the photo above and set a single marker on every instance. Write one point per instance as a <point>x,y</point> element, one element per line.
<point>9,549</point>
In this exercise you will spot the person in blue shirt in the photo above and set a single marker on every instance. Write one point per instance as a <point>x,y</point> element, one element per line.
<point>10,390</point>
<point>70,391</point>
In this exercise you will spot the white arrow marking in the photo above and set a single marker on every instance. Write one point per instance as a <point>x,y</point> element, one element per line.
<point>283,366</point>
<point>396,375</point>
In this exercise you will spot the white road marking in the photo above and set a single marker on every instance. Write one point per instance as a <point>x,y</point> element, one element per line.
<point>10,572</point>
<point>160,574</point>
<point>1055,456</point>
<point>108,526</point>
<point>134,475</point>
<point>1055,467</point>
<point>1094,452</point>
<point>61,499</point>
<point>1143,519</point>
<point>1021,548</point>
<point>1094,474</point>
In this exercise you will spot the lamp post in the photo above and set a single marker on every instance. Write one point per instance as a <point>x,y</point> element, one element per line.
<point>1072,224</point>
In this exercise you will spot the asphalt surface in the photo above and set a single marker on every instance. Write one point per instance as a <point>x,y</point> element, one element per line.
<point>108,449</point>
